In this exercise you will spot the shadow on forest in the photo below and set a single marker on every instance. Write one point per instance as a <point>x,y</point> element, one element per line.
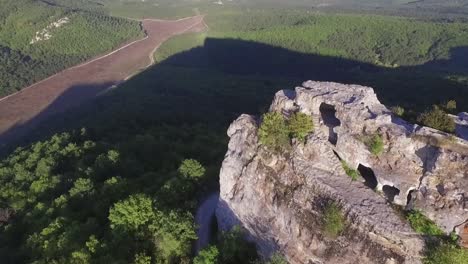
<point>72,97</point>
<point>216,82</point>
<point>410,86</point>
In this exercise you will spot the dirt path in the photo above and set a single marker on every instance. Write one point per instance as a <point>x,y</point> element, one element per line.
<point>20,112</point>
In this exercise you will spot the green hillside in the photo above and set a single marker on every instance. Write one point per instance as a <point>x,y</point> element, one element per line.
<point>401,58</point>
<point>83,35</point>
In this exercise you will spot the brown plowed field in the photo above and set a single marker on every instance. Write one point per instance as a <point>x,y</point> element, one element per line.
<point>20,112</point>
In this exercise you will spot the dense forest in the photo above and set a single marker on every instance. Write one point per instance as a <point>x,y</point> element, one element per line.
<point>119,180</point>
<point>399,57</point>
<point>31,48</point>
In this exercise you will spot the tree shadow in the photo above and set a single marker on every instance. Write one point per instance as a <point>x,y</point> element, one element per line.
<point>218,81</point>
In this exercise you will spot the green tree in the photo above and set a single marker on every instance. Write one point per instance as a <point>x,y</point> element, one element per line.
<point>132,213</point>
<point>173,234</point>
<point>235,249</point>
<point>300,125</point>
<point>191,168</point>
<point>81,187</point>
<point>208,255</point>
<point>80,257</point>
<point>92,244</point>
<point>277,258</point>
<point>438,119</point>
<point>274,132</point>
<point>142,258</point>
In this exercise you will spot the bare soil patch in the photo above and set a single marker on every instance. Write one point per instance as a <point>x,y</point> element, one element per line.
<point>20,112</point>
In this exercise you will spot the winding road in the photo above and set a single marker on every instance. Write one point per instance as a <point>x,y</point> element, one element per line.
<point>22,111</point>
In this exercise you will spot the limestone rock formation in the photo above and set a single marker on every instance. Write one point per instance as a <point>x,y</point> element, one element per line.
<point>279,197</point>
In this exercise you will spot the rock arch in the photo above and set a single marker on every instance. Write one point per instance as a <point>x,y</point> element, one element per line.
<point>390,192</point>
<point>369,176</point>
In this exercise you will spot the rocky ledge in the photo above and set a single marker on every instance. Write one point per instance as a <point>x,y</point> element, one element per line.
<point>279,197</point>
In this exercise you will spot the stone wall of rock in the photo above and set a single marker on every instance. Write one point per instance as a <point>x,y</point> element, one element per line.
<point>278,198</point>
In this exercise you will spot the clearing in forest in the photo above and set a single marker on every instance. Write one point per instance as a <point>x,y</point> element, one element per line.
<point>21,111</point>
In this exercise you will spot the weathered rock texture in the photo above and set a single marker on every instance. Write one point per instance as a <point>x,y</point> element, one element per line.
<point>279,198</point>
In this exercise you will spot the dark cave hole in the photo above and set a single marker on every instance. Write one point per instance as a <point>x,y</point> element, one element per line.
<point>409,200</point>
<point>328,113</point>
<point>390,192</point>
<point>368,175</point>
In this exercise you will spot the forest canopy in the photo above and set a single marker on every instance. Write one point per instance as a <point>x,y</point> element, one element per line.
<point>31,48</point>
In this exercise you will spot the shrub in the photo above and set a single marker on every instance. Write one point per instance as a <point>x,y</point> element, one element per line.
<point>354,174</point>
<point>208,255</point>
<point>142,258</point>
<point>398,110</point>
<point>273,132</point>
<point>446,253</point>
<point>277,258</point>
<point>375,144</point>
<point>300,125</point>
<point>333,220</point>
<point>438,119</point>
<point>423,225</point>
<point>234,249</point>
<point>191,168</point>
<point>451,106</point>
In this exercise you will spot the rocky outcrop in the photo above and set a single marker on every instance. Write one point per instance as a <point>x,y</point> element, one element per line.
<point>279,197</point>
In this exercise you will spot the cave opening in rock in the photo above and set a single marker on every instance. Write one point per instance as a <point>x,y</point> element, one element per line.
<point>390,192</point>
<point>368,175</point>
<point>328,114</point>
<point>409,200</point>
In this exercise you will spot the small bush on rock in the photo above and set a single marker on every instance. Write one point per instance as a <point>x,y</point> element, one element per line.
<point>451,106</point>
<point>438,119</point>
<point>300,125</point>
<point>277,259</point>
<point>274,132</point>
<point>446,253</point>
<point>398,110</point>
<point>333,220</point>
<point>354,174</point>
<point>423,225</point>
<point>375,144</point>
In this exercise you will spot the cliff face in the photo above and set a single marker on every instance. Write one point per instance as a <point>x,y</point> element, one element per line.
<point>279,198</point>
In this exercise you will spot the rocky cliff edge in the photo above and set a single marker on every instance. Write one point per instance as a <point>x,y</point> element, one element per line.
<point>279,197</point>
